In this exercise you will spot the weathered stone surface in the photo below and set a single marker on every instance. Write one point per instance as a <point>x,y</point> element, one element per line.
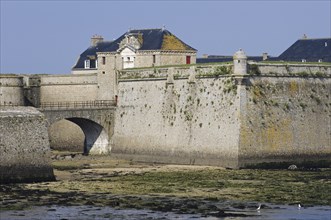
<point>285,119</point>
<point>203,115</point>
<point>66,136</point>
<point>11,89</point>
<point>225,120</point>
<point>183,123</point>
<point>24,146</point>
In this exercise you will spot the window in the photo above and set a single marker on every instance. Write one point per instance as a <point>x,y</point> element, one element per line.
<point>154,59</point>
<point>188,59</point>
<point>103,60</point>
<point>87,64</point>
<point>128,58</point>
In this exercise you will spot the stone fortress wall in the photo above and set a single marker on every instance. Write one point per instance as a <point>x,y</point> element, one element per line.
<point>66,88</point>
<point>11,90</point>
<point>290,69</point>
<point>285,119</point>
<point>190,123</point>
<point>206,115</point>
<point>20,90</point>
<point>50,88</point>
<point>25,152</point>
<point>164,115</point>
<point>203,114</point>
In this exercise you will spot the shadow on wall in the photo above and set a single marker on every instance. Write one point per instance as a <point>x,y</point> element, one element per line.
<point>92,133</point>
<point>75,134</point>
<point>65,135</point>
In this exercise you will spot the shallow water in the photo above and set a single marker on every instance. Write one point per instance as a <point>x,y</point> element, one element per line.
<point>292,212</point>
<point>93,212</point>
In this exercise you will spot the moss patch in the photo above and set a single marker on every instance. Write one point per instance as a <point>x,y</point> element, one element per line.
<point>171,42</point>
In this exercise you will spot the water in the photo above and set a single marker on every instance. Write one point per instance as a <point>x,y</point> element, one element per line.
<point>292,212</point>
<point>93,212</point>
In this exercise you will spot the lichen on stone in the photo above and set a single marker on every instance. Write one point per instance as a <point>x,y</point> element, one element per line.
<point>140,39</point>
<point>171,42</point>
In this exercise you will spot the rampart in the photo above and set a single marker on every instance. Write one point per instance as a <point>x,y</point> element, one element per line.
<point>25,152</point>
<point>207,115</point>
<point>11,90</point>
<point>290,69</point>
<point>285,119</point>
<point>66,88</point>
<point>204,114</point>
<point>20,90</point>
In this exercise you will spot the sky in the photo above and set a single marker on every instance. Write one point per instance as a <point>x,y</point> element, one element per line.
<point>48,36</point>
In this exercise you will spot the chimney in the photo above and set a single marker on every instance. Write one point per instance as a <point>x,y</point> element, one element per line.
<point>264,56</point>
<point>95,39</point>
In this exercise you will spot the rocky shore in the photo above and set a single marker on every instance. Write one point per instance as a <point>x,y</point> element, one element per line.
<point>101,181</point>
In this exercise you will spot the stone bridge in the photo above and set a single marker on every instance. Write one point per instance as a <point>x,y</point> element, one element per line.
<point>95,118</point>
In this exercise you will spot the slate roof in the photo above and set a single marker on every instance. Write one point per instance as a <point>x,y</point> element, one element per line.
<point>309,49</point>
<point>152,39</point>
<point>91,51</point>
<point>214,59</point>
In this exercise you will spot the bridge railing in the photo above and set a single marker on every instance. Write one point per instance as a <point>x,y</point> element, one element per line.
<point>9,104</point>
<point>78,105</point>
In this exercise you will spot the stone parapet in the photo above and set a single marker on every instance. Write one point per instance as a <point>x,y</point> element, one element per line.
<point>290,69</point>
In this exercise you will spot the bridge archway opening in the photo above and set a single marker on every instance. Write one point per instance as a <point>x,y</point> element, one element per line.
<point>65,135</point>
<point>96,140</point>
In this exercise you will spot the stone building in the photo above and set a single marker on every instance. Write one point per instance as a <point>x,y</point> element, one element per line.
<point>134,49</point>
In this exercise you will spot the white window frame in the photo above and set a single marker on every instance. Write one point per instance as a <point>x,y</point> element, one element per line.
<point>87,64</point>
<point>128,58</point>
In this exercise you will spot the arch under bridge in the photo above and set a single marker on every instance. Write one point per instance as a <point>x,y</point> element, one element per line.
<point>95,118</point>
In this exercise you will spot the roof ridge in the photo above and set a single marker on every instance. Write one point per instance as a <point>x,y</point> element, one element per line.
<point>145,29</point>
<point>326,38</point>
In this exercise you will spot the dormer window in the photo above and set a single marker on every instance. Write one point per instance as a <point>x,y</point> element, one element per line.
<point>303,60</point>
<point>320,60</point>
<point>128,57</point>
<point>87,64</point>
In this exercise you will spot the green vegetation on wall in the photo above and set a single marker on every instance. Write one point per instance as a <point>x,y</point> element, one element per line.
<point>253,69</point>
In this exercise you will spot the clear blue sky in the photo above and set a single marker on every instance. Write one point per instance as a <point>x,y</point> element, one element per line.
<point>48,36</point>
